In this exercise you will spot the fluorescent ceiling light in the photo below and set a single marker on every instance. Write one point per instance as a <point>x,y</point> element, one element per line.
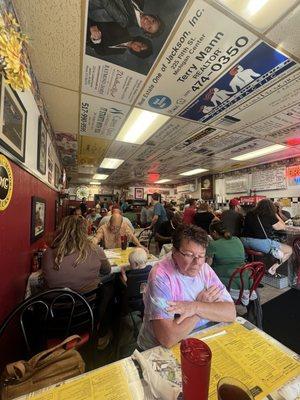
<point>260,152</point>
<point>193,171</point>
<point>100,176</point>
<point>95,183</point>
<point>140,125</point>
<point>259,13</point>
<point>163,181</point>
<point>255,5</point>
<point>111,163</point>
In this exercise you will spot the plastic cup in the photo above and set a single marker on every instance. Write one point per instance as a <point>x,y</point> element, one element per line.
<point>195,369</point>
<point>123,242</point>
<point>230,388</point>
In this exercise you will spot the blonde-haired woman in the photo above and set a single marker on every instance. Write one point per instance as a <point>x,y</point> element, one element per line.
<point>73,260</point>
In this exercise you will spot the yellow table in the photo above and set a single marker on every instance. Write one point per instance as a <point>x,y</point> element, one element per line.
<point>239,350</point>
<point>119,258</point>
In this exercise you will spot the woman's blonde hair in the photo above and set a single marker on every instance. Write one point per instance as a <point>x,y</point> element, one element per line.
<point>72,237</point>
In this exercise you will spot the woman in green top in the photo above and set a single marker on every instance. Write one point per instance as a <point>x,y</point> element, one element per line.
<point>225,253</point>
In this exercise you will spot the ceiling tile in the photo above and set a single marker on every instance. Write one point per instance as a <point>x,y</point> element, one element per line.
<point>287,33</point>
<point>62,106</point>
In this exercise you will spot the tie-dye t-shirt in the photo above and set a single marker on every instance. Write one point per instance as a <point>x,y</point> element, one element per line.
<point>166,283</point>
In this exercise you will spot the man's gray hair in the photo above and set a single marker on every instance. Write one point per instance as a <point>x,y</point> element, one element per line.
<point>138,257</point>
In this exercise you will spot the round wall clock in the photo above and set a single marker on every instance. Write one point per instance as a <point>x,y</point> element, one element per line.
<point>82,191</point>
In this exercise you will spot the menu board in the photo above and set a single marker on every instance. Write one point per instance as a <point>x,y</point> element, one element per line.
<point>237,184</point>
<point>269,179</point>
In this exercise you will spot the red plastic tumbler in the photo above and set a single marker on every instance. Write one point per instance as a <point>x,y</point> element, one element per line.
<point>195,369</point>
<point>123,242</point>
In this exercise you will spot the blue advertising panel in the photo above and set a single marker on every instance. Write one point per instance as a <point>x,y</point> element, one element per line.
<point>259,67</point>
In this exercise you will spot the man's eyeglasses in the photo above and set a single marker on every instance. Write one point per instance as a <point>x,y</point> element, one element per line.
<point>191,256</point>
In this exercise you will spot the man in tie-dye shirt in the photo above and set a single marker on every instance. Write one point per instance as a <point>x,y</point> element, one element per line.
<point>183,292</point>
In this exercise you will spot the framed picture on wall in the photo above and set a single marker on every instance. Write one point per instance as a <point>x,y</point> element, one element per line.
<point>138,193</point>
<point>56,176</point>
<point>38,217</point>
<point>14,115</point>
<point>42,147</point>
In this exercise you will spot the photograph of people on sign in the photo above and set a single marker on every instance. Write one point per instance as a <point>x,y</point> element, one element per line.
<point>261,66</point>
<point>207,190</point>
<point>130,33</point>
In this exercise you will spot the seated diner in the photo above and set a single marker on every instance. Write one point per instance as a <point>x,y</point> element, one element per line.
<point>73,260</point>
<point>110,233</point>
<point>183,292</point>
<point>224,253</point>
<point>260,224</point>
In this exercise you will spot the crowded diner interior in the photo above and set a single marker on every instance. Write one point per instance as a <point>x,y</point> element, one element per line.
<point>150,199</point>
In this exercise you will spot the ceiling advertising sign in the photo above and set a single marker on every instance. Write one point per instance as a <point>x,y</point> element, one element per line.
<point>122,42</point>
<point>101,118</point>
<point>260,67</point>
<point>6,182</point>
<point>198,54</point>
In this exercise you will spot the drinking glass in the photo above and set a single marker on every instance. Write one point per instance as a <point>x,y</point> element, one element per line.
<point>231,388</point>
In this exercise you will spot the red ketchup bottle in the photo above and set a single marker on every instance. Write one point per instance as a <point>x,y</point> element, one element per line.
<point>195,369</point>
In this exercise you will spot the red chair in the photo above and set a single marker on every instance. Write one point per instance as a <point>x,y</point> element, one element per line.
<point>255,272</point>
<point>254,255</point>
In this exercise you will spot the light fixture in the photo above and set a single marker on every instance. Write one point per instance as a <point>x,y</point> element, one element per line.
<point>140,125</point>
<point>194,171</point>
<point>95,183</point>
<point>259,13</point>
<point>258,153</point>
<point>254,6</point>
<point>100,176</point>
<point>163,181</point>
<point>111,163</point>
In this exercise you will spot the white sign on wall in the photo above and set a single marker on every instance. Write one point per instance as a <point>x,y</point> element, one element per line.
<point>269,179</point>
<point>237,184</point>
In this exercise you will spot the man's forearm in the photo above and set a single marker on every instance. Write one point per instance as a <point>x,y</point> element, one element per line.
<point>169,337</point>
<point>216,311</point>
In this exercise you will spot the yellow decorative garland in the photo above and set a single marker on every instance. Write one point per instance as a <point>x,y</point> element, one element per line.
<point>12,55</point>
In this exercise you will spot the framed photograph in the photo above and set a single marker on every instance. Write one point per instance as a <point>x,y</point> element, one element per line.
<point>42,147</point>
<point>14,116</point>
<point>56,176</point>
<point>138,193</point>
<point>38,217</point>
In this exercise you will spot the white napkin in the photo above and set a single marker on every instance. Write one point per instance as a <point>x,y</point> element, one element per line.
<point>160,388</point>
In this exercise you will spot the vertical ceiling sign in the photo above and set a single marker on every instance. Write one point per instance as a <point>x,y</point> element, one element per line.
<point>101,118</point>
<point>122,41</point>
<point>201,52</point>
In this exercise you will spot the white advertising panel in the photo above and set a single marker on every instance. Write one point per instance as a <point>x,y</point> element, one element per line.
<point>101,118</point>
<point>282,95</point>
<point>121,150</point>
<point>199,53</point>
<point>261,67</point>
<point>250,144</point>
<point>122,42</point>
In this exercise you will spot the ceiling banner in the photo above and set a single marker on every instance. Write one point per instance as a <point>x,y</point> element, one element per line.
<point>260,67</point>
<point>122,41</point>
<point>200,52</point>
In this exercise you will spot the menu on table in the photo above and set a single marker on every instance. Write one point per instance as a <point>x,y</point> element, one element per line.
<point>247,355</point>
<point>119,257</point>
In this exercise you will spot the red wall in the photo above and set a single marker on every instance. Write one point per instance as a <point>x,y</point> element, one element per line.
<point>15,247</point>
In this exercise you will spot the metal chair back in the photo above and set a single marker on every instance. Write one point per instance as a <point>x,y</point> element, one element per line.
<point>145,237</point>
<point>52,314</point>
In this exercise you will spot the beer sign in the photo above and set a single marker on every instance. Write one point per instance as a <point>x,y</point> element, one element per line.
<point>6,182</point>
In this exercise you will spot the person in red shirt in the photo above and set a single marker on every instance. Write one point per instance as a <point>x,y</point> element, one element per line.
<point>189,212</point>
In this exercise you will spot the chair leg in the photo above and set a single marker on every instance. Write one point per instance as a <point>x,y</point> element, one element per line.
<point>135,330</point>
